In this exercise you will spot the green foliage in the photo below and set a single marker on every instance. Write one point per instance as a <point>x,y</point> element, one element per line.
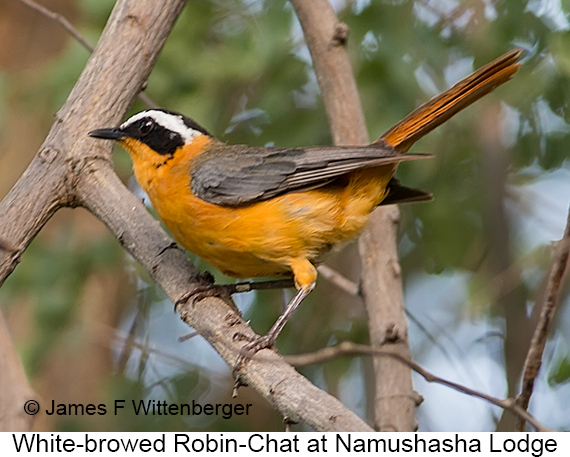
<point>560,373</point>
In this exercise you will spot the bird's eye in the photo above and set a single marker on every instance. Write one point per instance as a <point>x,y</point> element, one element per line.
<point>146,127</point>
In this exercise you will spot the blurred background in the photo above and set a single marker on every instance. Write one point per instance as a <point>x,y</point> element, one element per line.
<point>91,327</point>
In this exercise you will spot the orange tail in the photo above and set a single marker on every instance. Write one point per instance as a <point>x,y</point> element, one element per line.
<point>439,109</point>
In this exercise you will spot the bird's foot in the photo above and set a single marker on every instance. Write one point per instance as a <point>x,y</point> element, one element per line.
<point>205,287</point>
<point>255,345</point>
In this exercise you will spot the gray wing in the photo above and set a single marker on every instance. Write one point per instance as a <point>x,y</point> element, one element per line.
<point>249,174</point>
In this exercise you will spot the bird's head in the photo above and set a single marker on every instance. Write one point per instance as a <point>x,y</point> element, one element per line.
<point>153,135</point>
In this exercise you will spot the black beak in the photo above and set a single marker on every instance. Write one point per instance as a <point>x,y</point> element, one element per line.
<point>108,134</point>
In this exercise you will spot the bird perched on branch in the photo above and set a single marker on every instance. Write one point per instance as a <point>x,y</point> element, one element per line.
<point>267,211</point>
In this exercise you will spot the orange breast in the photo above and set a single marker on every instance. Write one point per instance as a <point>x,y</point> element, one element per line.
<point>263,238</point>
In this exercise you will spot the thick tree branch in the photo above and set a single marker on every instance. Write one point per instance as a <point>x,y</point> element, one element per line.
<point>381,285</point>
<point>72,169</point>
<point>101,96</point>
<point>396,399</point>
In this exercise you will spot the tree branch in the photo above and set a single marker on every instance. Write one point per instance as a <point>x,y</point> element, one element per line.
<point>381,282</point>
<point>350,348</point>
<point>382,286</point>
<point>548,308</point>
<point>101,96</point>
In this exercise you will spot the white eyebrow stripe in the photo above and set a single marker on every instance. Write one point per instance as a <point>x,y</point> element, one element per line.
<point>169,121</point>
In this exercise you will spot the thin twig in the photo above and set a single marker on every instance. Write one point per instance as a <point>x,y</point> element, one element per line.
<point>350,348</point>
<point>188,336</point>
<point>341,281</point>
<point>534,356</point>
<point>62,21</point>
<point>432,339</point>
<point>107,336</point>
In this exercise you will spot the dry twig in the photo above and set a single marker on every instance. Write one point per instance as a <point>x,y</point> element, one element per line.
<point>69,28</point>
<point>59,19</point>
<point>349,348</point>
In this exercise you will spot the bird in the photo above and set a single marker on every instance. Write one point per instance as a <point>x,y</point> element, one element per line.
<point>254,211</point>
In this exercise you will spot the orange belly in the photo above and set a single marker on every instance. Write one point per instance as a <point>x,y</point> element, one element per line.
<point>264,238</point>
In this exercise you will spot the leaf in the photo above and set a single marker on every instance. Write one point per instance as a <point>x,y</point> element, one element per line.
<point>561,373</point>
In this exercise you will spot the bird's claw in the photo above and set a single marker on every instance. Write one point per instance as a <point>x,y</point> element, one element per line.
<point>255,345</point>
